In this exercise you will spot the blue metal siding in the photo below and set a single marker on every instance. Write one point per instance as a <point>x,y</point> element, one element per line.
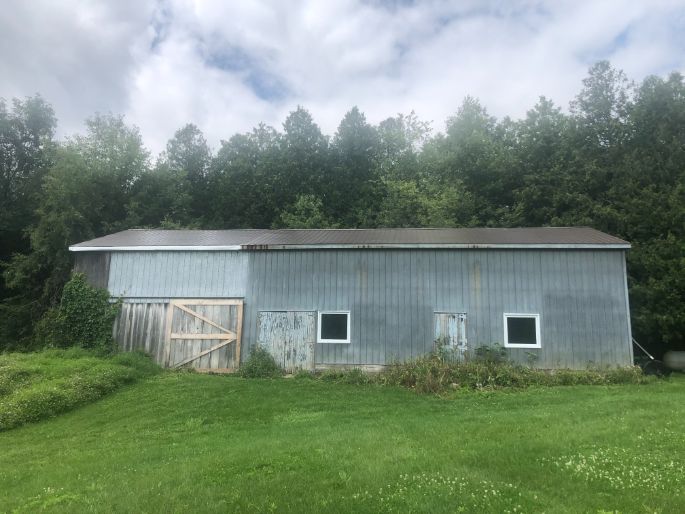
<point>393,294</point>
<point>167,274</point>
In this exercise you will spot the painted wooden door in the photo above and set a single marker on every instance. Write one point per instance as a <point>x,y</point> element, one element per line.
<point>290,336</point>
<point>204,334</point>
<point>450,330</point>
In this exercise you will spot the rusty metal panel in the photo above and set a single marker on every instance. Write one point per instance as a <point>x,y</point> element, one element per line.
<point>290,336</point>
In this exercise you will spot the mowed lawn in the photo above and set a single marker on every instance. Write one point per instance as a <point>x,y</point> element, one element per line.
<point>181,442</point>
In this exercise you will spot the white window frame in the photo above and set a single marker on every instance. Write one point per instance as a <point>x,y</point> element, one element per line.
<point>333,341</point>
<point>536,317</point>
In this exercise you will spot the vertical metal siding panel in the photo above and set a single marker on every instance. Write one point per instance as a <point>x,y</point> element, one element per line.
<point>541,270</point>
<point>375,348</point>
<point>556,317</point>
<point>109,272</point>
<point>606,332</point>
<point>411,303</point>
<point>400,331</point>
<point>618,337</point>
<point>143,272</point>
<point>425,310</point>
<point>626,306</point>
<point>615,277</point>
<point>586,340</point>
<point>593,305</point>
<point>387,303</point>
<point>490,297</point>
<point>573,328</point>
<point>364,324</point>
<point>611,355</point>
<point>324,293</point>
<point>578,347</point>
<point>123,275</point>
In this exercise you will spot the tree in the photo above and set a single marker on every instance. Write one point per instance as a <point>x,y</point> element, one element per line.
<point>83,195</point>
<point>26,152</point>
<point>306,212</point>
<point>246,180</point>
<point>351,182</point>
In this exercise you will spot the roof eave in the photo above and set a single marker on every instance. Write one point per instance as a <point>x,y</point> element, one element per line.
<point>385,246</point>
<point>77,248</point>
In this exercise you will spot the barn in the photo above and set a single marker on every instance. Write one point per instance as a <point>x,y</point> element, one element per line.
<point>316,299</point>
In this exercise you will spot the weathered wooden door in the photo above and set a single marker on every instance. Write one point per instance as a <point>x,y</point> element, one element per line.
<point>204,334</point>
<point>450,330</point>
<point>290,336</point>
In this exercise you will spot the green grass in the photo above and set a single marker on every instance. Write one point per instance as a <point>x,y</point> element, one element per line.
<point>181,442</point>
<point>34,386</point>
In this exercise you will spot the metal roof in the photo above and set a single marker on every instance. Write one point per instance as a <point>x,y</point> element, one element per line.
<point>264,239</point>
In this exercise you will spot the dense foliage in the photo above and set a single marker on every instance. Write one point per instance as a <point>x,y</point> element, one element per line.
<point>260,364</point>
<point>83,318</point>
<point>438,372</point>
<point>615,161</point>
<point>39,385</point>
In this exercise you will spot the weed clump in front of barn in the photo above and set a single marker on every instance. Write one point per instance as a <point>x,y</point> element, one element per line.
<point>260,364</point>
<point>490,368</point>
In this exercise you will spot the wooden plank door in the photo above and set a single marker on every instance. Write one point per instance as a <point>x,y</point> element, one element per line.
<point>204,334</point>
<point>450,329</point>
<point>290,336</point>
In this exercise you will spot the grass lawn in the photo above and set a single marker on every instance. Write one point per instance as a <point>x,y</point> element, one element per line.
<point>35,386</point>
<point>180,442</point>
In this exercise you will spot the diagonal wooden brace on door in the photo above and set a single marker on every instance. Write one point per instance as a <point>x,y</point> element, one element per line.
<point>201,330</point>
<point>201,354</point>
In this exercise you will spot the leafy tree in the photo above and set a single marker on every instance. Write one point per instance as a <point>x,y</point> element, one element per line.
<point>306,212</point>
<point>26,152</point>
<point>83,195</point>
<point>246,179</point>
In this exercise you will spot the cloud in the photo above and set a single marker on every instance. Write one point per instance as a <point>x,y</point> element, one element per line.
<point>226,66</point>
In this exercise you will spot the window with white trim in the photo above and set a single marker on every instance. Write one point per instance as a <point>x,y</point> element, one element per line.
<point>333,327</point>
<point>522,330</point>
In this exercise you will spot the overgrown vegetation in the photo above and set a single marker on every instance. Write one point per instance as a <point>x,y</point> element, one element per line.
<point>432,374</point>
<point>615,161</point>
<point>192,442</point>
<point>83,318</point>
<point>35,386</point>
<point>489,368</point>
<point>260,364</point>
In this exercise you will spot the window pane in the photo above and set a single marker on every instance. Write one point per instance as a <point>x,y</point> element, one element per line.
<point>521,330</point>
<point>334,326</point>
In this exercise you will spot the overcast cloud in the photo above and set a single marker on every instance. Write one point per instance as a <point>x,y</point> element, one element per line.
<point>226,66</point>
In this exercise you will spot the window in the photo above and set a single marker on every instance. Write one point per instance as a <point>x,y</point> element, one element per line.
<point>334,327</point>
<point>522,331</point>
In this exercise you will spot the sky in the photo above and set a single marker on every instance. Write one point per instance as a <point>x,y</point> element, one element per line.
<point>226,66</point>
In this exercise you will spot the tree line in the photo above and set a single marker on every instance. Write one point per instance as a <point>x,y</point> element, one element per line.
<point>615,161</point>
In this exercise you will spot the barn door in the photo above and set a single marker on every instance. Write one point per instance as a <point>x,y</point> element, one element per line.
<point>290,336</point>
<point>204,334</point>
<point>450,330</point>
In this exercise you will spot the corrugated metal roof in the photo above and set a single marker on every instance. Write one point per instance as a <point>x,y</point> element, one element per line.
<point>253,239</point>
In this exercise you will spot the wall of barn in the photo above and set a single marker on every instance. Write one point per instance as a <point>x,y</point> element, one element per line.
<point>155,275</point>
<point>392,295</point>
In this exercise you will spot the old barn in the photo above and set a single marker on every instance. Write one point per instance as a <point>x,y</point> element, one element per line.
<point>322,298</point>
